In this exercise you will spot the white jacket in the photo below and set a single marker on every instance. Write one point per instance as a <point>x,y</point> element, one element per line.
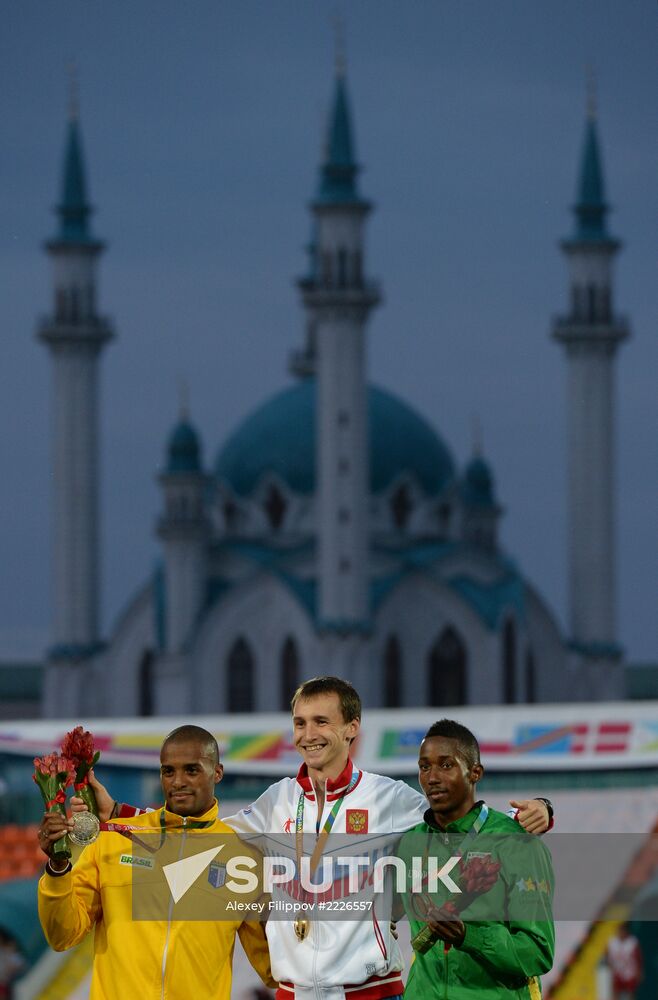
<point>355,958</point>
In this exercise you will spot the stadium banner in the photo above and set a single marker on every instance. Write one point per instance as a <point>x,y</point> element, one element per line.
<point>512,737</point>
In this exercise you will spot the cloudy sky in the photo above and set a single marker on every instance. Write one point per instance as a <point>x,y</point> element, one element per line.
<point>202,128</point>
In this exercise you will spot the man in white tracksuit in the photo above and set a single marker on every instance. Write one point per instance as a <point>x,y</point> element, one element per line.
<point>353,959</point>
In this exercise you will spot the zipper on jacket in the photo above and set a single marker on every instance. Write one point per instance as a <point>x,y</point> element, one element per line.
<point>171,910</point>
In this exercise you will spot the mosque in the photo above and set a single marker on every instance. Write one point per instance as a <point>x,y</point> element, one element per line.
<point>334,531</point>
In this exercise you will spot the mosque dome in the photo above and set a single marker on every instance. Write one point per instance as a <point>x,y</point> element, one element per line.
<point>183,449</point>
<point>279,438</point>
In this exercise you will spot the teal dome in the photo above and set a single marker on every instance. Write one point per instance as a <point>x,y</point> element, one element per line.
<point>183,449</point>
<point>478,484</point>
<point>279,438</point>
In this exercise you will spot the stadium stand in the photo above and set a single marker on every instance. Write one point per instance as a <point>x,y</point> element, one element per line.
<point>20,855</point>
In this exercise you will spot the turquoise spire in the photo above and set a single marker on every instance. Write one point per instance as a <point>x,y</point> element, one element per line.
<point>74,209</point>
<point>339,170</point>
<point>478,489</point>
<point>183,449</point>
<point>184,444</point>
<point>591,208</point>
<point>340,153</point>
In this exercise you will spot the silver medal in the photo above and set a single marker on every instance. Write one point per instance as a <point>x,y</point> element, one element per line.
<point>86,828</point>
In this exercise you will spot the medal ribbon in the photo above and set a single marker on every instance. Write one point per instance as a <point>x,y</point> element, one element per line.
<point>129,831</point>
<point>480,820</point>
<point>323,833</point>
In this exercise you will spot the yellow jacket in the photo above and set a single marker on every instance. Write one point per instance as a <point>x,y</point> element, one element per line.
<point>145,945</point>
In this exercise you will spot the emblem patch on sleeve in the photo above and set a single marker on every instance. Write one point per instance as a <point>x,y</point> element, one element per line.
<point>356,820</point>
<point>217,875</point>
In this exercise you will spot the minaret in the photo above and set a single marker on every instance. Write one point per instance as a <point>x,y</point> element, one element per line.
<point>338,299</point>
<point>590,334</point>
<point>75,335</point>
<point>480,508</point>
<point>183,528</point>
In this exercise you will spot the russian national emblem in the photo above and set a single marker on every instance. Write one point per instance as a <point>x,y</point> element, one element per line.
<point>356,820</point>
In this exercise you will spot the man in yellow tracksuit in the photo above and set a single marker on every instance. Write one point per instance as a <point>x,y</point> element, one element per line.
<point>152,955</point>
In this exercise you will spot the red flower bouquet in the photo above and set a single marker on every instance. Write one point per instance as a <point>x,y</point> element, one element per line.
<point>53,774</point>
<point>477,876</point>
<point>78,747</point>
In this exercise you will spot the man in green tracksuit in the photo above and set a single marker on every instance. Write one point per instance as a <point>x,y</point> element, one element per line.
<point>506,938</point>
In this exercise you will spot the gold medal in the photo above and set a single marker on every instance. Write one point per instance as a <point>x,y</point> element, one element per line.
<point>302,928</point>
<point>303,924</point>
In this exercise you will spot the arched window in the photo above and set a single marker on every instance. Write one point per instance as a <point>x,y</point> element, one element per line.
<point>275,507</point>
<point>289,672</point>
<point>401,506</point>
<point>342,268</point>
<point>327,270</point>
<point>392,673</point>
<point>509,663</point>
<point>230,513</point>
<point>75,306</point>
<point>145,682</point>
<point>446,670</point>
<point>444,519</point>
<point>530,678</point>
<point>357,269</point>
<point>240,678</point>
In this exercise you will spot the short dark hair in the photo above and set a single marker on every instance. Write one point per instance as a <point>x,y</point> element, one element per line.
<point>350,703</point>
<point>194,734</point>
<point>452,730</point>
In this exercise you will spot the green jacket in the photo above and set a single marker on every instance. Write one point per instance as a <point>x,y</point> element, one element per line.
<point>510,935</point>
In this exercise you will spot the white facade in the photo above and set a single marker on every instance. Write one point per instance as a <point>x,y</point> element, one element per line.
<point>591,523</point>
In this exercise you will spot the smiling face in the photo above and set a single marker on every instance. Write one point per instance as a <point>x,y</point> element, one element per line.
<point>188,776</point>
<point>321,734</point>
<point>446,778</point>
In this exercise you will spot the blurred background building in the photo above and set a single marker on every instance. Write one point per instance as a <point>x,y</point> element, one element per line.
<point>333,531</point>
